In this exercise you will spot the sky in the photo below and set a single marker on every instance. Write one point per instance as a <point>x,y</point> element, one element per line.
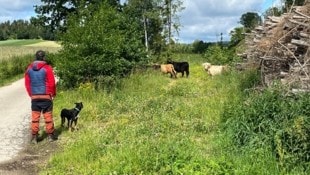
<point>200,20</point>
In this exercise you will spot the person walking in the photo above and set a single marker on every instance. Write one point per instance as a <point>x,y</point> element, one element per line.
<point>41,87</point>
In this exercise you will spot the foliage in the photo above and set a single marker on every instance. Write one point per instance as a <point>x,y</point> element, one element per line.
<point>171,25</point>
<point>181,48</point>
<point>19,29</point>
<point>215,54</point>
<point>275,120</point>
<point>273,11</point>
<point>237,35</point>
<point>53,15</point>
<point>158,20</point>
<point>289,3</point>
<point>147,15</point>
<point>250,20</point>
<point>108,47</point>
<point>200,46</point>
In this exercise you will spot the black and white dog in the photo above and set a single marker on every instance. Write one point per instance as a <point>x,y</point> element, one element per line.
<point>72,115</point>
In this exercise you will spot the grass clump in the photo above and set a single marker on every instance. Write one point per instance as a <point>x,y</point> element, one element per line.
<point>273,120</point>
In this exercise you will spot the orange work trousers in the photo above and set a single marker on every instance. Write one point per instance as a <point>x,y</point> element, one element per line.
<point>44,107</point>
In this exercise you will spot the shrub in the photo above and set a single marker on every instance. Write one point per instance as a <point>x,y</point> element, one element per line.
<point>215,54</point>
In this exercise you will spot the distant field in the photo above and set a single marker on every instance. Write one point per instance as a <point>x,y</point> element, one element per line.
<point>36,42</point>
<point>11,48</point>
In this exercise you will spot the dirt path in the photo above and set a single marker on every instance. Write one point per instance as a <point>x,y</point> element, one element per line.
<point>14,119</point>
<point>17,156</point>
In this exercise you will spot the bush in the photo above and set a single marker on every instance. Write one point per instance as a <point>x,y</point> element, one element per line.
<point>215,54</point>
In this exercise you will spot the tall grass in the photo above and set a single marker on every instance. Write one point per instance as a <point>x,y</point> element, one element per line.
<point>150,124</point>
<point>15,57</point>
<point>14,48</point>
<point>8,52</point>
<point>13,68</point>
<point>275,121</point>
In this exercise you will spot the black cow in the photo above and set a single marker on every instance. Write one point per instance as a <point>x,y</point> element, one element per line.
<point>180,67</point>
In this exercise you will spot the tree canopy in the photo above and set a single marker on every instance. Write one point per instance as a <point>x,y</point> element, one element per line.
<point>55,13</point>
<point>99,46</point>
<point>250,20</point>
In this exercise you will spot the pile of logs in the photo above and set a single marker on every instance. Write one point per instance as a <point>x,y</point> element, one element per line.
<point>280,48</point>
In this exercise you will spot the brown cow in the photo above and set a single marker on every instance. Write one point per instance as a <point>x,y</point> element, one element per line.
<point>168,69</point>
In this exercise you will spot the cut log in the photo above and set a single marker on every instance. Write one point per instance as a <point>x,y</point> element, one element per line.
<point>283,74</point>
<point>256,40</point>
<point>299,23</point>
<point>304,35</point>
<point>298,17</point>
<point>299,13</point>
<point>300,42</point>
<point>275,19</point>
<point>259,28</point>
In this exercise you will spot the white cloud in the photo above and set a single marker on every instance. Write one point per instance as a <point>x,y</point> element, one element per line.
<point>207,19</point>
<point>17,9</point>
<point>201,19</point>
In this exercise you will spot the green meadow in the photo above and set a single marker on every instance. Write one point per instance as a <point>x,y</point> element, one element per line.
<point>14,48</point>
<point>149,123</point>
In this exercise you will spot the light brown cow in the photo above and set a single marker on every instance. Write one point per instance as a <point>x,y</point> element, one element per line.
<point>216,70</point>
<point>206,65</point>
<point>168,69</point>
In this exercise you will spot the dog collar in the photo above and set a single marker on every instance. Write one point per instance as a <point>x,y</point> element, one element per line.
<point>77,109</point>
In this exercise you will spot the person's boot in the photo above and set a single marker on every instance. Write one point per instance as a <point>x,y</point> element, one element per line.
<point>34,139</point>
<point>52,137</point>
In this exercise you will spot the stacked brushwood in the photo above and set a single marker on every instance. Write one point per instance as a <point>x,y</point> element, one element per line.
<point>280,49</point>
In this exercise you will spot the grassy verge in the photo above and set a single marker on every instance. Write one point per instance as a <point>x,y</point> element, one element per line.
<point>150,124</point>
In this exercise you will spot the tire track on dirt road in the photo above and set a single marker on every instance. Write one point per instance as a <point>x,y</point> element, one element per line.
<point>14,120</point>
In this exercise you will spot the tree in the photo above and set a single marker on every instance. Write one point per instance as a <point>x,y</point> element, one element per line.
<point>145,13</point>
<point>55,13</point>
<point>250,20</point>
<point>272,11</point>
<point>200,46</point>
<point>236,36</point>
<point>289,3</point>
<point>19,29</point>
<point>99,46</point>
<point>158,20</point>
<point>170,8</point>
